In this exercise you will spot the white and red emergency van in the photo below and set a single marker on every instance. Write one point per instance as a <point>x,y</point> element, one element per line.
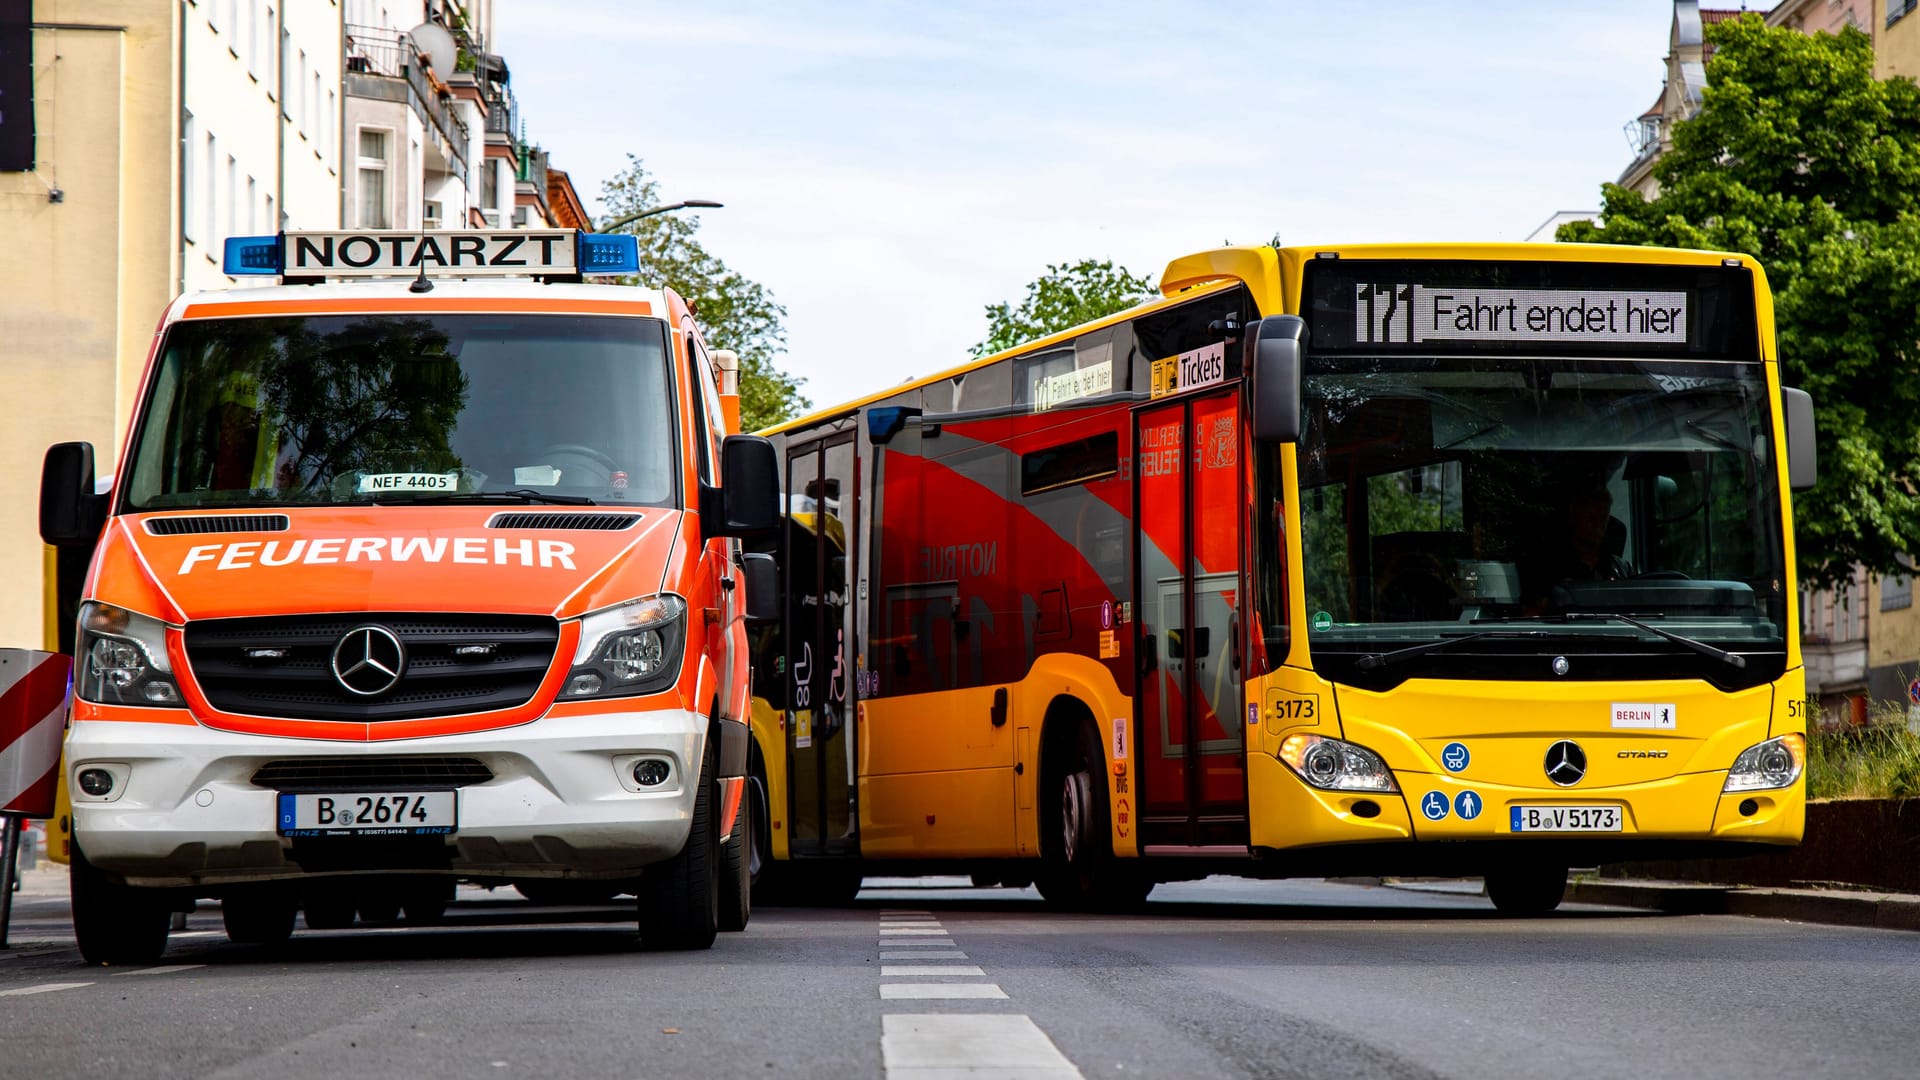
<point>418,566</point>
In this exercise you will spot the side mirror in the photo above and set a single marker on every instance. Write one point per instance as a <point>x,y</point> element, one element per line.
<point>749,487</point>
<point>763,587</point>
<point>1274,347</point>
<point>1803,464</point>
<point>70,511</point>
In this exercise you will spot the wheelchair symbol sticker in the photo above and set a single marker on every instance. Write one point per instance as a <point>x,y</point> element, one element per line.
<point>1434,805</point>
<point>1455,756</point>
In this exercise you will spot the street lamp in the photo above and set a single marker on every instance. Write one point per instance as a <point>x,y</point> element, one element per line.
<point>631,218</point>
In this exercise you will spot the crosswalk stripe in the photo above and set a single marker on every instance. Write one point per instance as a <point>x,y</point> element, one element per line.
<point>908,931</point>
<point>922,954</point>
<point>930,969</point>
<point>941,991</point>
<point>980,1047</point>
<point>42,988</point>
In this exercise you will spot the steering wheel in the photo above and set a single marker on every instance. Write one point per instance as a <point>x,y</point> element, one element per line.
<point>581,450</point>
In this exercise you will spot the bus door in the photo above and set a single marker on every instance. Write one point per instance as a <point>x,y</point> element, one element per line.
<point>1189,514</point>
<point>821,508</point>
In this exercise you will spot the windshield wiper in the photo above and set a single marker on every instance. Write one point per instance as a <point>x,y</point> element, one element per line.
<point>519,495</point>
<point>1379,660</point>
<point>1701,647</point>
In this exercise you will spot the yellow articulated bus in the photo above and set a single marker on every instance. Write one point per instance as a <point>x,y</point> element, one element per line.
<point>1464,559</point>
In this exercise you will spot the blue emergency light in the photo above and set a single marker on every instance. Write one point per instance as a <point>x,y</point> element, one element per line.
<point>612,253</point>
<point>248,255</point>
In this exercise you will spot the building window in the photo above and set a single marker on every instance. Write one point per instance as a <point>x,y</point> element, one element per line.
<point>1896,9</point>
<point>1896,592</point>
<point>189,176</point>
<point>207,184</point>
<point>233,196</point>
<point>373,179</point>
<point>253,204</point>
<point>490,188</point>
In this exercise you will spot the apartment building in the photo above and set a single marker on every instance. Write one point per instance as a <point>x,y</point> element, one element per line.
<point>137,135</point>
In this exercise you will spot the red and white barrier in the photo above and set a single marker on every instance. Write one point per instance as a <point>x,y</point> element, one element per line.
<point>33,716</point>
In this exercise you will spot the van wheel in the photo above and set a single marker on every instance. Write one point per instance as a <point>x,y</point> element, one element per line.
<point>680,899</point>
<point>330,905</point>
<point>1077,867</point>
<point>737,857</point>
<point>424,902</point>
<point>115,923</point>
<point>1527,890</point>
<point>261,916</point>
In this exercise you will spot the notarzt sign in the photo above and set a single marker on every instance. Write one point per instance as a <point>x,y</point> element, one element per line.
<point>444,252</point>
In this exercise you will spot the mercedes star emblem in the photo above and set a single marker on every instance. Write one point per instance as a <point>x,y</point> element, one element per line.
<point>369,660</point>
<point>1566,763</point>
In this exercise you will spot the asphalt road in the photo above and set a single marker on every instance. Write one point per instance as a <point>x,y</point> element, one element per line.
<point>1219,978</point>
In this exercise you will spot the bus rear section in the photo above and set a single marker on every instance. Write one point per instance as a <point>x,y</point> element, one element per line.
<point>1468,559</point>
<point>398,586</point>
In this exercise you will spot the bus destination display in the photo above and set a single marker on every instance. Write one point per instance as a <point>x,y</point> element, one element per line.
<point>1457,306</point>
<point>1410,313</point>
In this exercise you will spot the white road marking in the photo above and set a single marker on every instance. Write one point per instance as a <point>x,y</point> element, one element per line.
<point>168,970</point>
<point>908,931</point>
<point>922,954</point>
<point>941,991</point>
<point>931,969</point>
<point>903,911</point>
<point>989,1047</point>
<point>42,988</point>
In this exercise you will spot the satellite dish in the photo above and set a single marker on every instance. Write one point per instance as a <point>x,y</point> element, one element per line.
<point>433,40</point>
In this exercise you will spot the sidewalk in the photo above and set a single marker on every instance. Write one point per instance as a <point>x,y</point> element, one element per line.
<point>1837,906</point>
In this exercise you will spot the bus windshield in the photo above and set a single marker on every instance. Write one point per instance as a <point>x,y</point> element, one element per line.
<point>313,410</point>
<point>1542,498</point>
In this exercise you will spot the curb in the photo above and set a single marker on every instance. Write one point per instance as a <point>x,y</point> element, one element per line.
<point>1882,910</point>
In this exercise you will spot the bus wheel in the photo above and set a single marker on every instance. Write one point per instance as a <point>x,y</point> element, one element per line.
<point>115,923</point>
<point>261,916</point>
<point>737,857</point>
<point>679,904</point>
<point>1077,867</point>
<point>1527,890</point>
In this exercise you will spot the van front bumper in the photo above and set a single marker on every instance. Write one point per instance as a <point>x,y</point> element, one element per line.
<point>185,810</point>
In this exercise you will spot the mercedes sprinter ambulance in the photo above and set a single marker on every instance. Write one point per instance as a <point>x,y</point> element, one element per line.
<point>418,566</point>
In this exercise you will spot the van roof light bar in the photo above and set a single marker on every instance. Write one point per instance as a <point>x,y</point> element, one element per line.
<point>547,253</point>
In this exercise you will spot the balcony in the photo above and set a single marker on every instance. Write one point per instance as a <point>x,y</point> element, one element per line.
<point>503,114</point>
<point>377,53</point>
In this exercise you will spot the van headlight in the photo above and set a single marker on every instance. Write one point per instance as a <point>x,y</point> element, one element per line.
<point>121,659</point>
<point>1776,763</point>
<point>630,648</point>
<point>1335,765</point>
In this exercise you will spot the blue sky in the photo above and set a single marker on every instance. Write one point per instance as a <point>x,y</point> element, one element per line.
<point>889,168</point>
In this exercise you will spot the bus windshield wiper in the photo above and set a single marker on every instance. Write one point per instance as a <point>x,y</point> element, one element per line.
<point>1701,647</point>
<point>520,495</point>
<point>1379,660</point>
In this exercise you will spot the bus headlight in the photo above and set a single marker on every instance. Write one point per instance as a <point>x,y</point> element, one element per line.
<point>630,648</point>
<point>1775,763</point>
<point>1335,765</point>
<point>122,659</point>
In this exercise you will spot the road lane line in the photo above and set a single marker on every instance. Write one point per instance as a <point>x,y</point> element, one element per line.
<point>42,988</point>
<point>980,1047</point>
<point>909,931</point>
<point>168,970</point>
<point>931,969</point>
<point>941,991</point>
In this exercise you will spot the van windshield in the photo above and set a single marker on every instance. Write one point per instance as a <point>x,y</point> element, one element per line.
<point>323,410</point>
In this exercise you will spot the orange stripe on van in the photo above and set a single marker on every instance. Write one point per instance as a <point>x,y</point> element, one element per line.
<point>424,305</point>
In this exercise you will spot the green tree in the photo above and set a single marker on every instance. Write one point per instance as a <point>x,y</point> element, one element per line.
<point>734,311</point>
<point>1064,297</point>
<point>1800,157</point>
